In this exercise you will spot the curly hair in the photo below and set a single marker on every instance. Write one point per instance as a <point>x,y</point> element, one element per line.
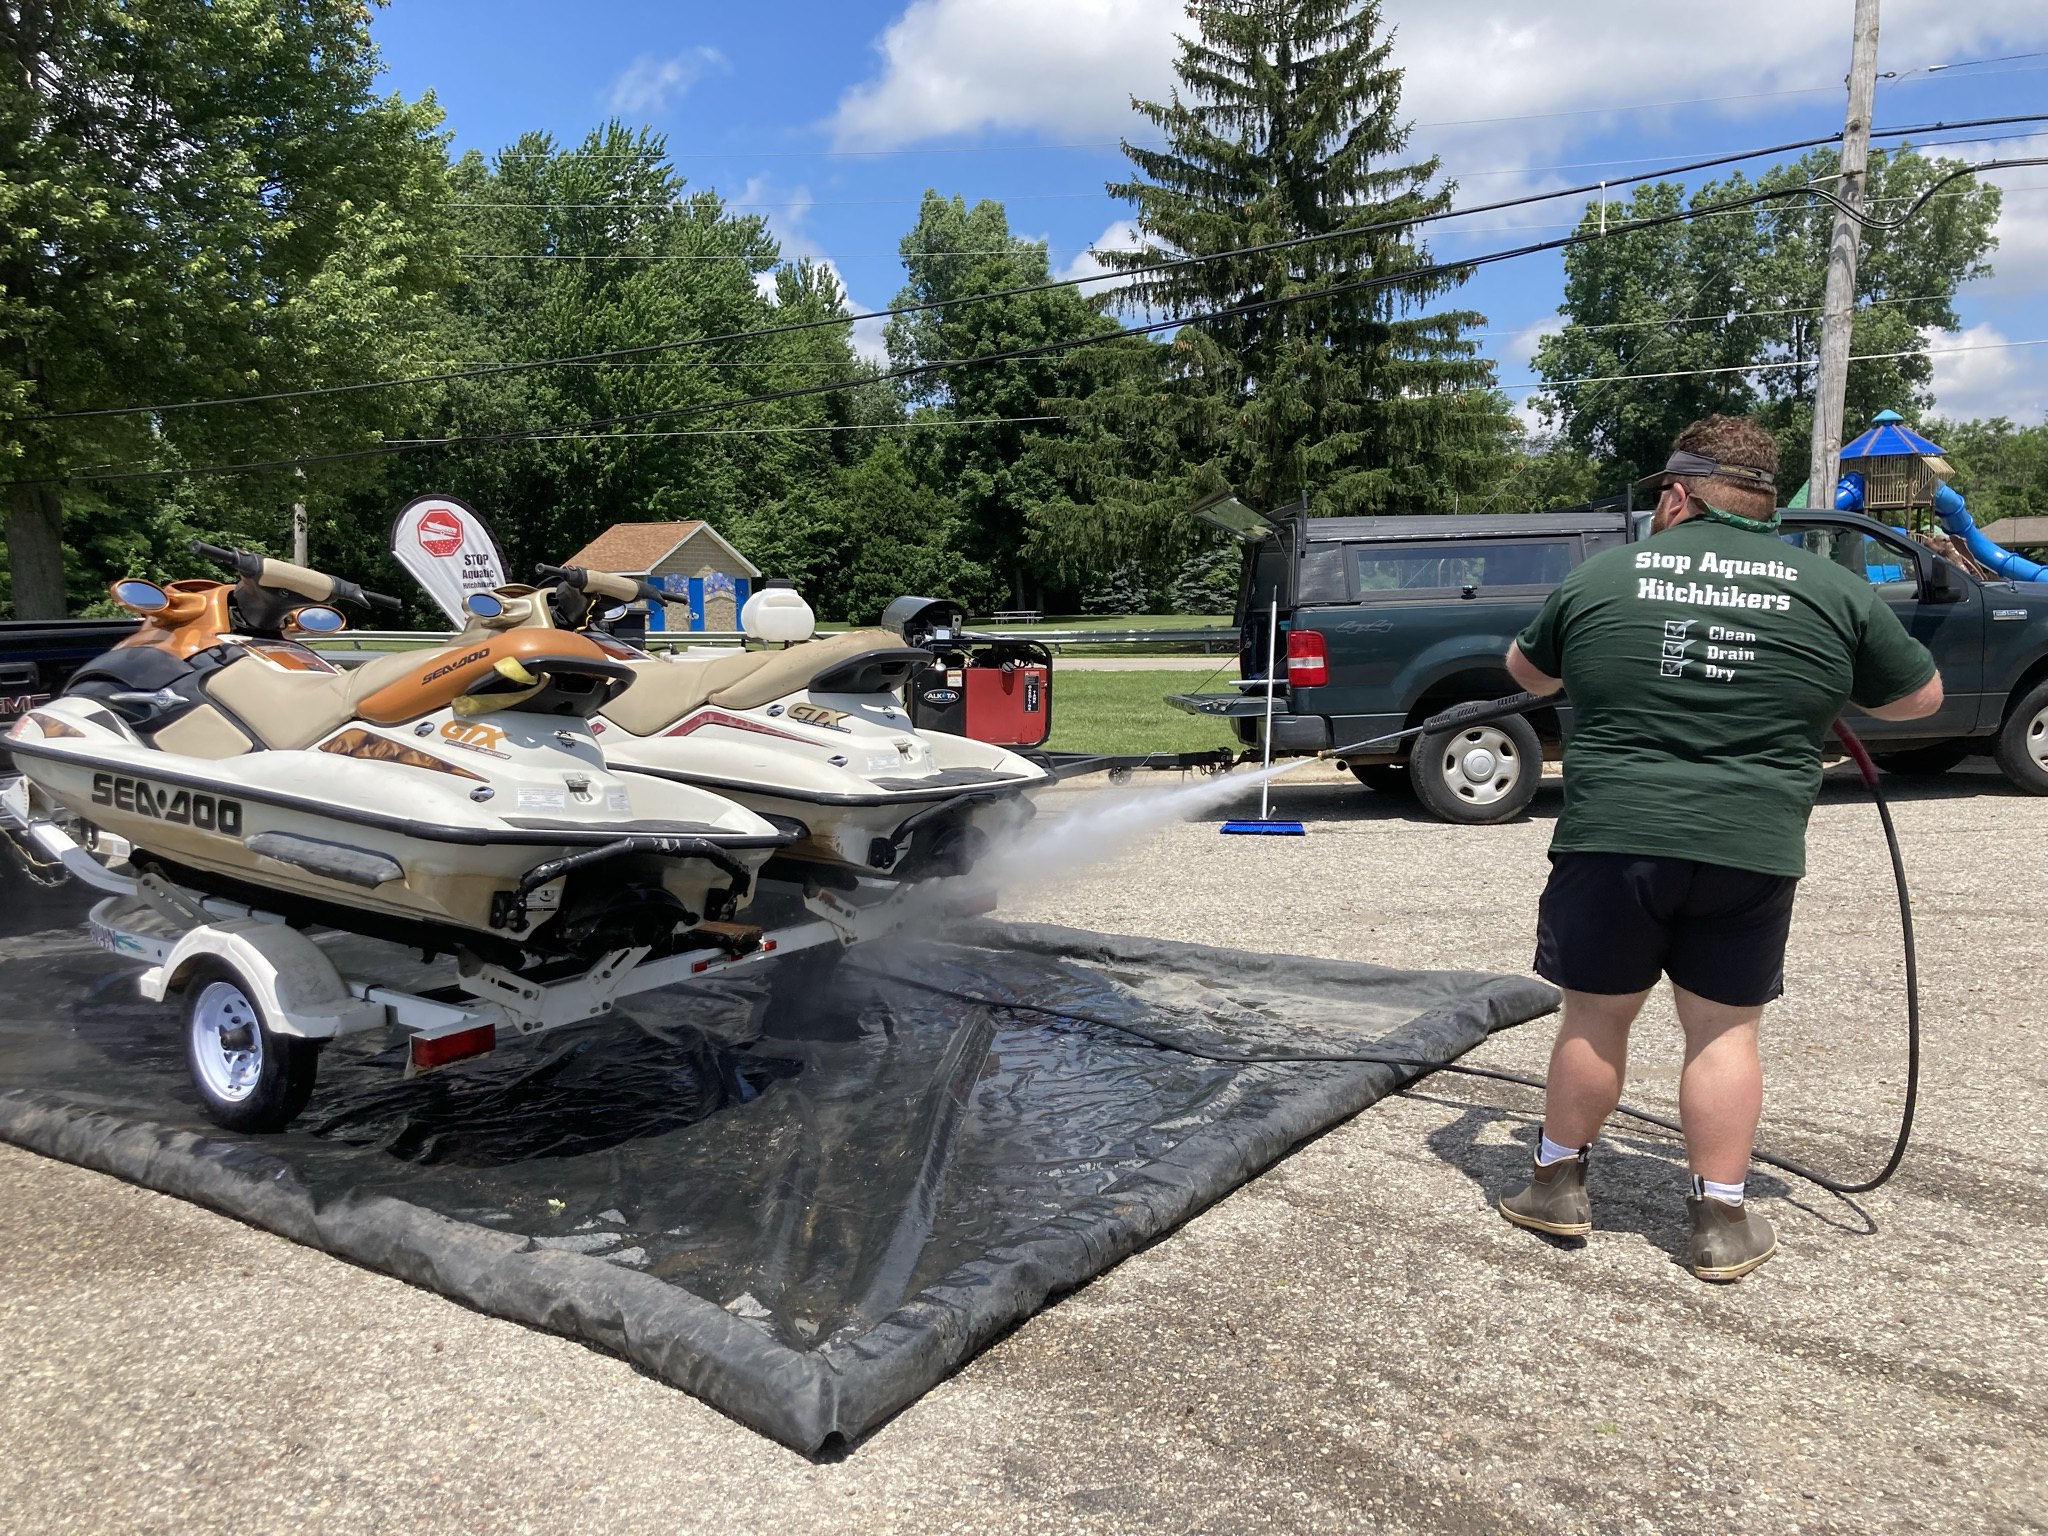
<point>1731,440</point>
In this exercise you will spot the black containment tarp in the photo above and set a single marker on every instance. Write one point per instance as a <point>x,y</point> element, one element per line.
<point>805,1210</point>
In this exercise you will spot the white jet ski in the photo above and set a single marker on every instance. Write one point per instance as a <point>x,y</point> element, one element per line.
<point>811,734</point>
<point>454,799</point>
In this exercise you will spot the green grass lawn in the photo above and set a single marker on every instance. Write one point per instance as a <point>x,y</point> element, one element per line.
<point>1124,712</point>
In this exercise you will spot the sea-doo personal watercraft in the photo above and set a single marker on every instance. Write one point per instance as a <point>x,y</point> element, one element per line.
<point>812,734</point>
<point>451,798</point>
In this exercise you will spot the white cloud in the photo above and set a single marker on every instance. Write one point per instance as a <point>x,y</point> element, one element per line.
<point>1517,361</point>
<point>2020,263</point>
<point>950,68</point>
<point>1120,236</point>
<point>648,85</point>
<point>1978,374</point>
<point>960,66</point>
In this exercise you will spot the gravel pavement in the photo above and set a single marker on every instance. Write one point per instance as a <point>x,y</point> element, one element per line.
<point>1354,1341</point>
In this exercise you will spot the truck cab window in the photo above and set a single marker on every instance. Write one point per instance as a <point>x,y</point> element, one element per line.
<point>1388,570</point>
<point>1887,564</point>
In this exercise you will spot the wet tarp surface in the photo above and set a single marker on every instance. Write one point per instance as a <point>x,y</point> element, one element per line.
<point>805,1208</point>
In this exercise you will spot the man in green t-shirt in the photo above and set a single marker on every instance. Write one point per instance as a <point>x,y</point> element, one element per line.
<point>1704,666</point>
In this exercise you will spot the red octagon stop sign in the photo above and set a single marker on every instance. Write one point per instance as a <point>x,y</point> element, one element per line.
<point>440,533</point>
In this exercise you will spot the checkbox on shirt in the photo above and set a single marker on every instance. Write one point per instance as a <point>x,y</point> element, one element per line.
<point>1676,648</point>
<point>1671,669</point>
<point>1674,629</point>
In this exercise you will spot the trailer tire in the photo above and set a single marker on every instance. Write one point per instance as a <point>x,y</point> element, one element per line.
<point>1478,774</point>
<point>2022,749</point>
<point>249,1077</point>
<point>1387,778</point>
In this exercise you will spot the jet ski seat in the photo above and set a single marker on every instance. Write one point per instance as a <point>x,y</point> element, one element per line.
<point>662,692</point>
<point>291,710</point>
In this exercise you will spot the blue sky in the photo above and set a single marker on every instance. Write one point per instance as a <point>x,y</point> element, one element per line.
<point>831,119</point>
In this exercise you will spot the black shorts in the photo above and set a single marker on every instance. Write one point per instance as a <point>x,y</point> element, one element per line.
<point>1614,922</point>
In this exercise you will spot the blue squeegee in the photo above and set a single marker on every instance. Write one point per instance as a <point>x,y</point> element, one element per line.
<point>1266,826</point>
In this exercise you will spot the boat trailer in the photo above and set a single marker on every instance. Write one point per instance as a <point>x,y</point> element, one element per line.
<point>262,996</point>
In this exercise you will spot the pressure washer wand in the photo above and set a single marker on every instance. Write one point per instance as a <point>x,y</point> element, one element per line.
<point>1457,717</point>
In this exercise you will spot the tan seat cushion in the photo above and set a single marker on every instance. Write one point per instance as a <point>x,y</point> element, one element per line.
<point>664,691</point>
<point>290,710</point>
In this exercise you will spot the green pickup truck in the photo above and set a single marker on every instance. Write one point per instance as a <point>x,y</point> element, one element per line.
<point>1386,620</point>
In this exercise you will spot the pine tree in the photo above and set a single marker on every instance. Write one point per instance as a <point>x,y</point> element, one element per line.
<point>1287,123</point>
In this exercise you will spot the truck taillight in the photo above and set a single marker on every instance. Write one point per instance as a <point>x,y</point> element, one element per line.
<point>1308,659</point>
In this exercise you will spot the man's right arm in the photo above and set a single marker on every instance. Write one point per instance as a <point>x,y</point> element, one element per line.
<point>1918,704</point>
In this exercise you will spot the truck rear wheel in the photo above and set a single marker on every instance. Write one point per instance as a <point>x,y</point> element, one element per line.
<point>249,1077</point>
<point>2022,750</point>
<point>1480,773</point>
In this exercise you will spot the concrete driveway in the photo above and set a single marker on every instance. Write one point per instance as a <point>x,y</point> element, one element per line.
<point>1354,1341</point>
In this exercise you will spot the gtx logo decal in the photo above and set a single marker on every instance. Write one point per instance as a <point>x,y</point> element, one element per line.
<point>477,737</point>
<point>180,807</point>
<point>818,715</point>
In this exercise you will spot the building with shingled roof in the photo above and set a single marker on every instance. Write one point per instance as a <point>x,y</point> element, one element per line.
<point>706,579</point>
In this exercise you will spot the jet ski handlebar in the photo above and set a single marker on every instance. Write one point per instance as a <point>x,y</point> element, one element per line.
<point>620,589</point>
<point>283,576</point>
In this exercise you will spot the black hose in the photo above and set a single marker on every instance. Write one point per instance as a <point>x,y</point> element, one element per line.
<point>1423,1067</point>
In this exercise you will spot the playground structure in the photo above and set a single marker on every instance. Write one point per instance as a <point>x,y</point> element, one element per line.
<point>1892,472</point>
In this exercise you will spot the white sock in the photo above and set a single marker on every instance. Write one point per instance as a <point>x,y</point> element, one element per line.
<point>1548,1152</point>
<point>1707,1189</point>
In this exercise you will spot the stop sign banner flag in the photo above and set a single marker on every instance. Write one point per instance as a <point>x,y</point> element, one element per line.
<point>448,550</point>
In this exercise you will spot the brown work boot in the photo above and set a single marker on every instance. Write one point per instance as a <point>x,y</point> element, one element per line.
<point>1728,1241</point>
<point>1554,1200</point>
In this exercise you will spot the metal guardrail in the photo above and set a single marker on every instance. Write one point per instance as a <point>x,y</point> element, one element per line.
<point>1208,637</point>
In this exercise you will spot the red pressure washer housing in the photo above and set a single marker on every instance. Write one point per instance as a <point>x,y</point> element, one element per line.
<point>984,687</point>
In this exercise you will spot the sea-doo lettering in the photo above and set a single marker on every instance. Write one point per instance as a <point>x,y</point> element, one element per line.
<point>179,807</point>
<point>455,665</point>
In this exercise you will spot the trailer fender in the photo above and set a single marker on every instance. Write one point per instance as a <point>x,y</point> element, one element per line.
<point>292,980</point>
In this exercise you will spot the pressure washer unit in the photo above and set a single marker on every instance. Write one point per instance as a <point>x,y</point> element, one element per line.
<point>986,687</point>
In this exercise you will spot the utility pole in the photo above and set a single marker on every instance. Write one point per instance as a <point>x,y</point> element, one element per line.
<point>299,527</point>
<point>1839,307</point>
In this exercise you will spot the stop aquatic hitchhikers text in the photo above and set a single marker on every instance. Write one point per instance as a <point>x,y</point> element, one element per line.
<point>1657,589</point>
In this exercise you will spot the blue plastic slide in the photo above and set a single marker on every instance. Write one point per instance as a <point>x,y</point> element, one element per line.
<point>1955,518</point>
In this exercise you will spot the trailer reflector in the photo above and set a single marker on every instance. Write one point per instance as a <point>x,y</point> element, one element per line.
<point>429,1051</point>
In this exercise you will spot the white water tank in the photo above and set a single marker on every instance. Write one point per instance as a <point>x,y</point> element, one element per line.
<point>776,614</point>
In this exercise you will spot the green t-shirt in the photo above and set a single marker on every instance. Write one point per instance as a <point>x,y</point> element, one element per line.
<point>1704,666</point>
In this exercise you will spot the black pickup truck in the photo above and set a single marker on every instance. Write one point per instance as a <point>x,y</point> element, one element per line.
<point>1383,621</point>
<point>37,660</point>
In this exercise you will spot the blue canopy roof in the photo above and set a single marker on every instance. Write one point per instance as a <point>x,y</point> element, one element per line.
<point>1889,436</point>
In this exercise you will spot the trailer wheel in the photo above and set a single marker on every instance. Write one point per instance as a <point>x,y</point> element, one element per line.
<point>1478,774</point>
<point>2022,750</point>
<point>249,1077</point>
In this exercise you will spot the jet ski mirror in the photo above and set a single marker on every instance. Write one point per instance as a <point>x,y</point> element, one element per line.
<point>144,597</point>
<point>318,619</point>
<point>613,614</point>
<point>483,605</point>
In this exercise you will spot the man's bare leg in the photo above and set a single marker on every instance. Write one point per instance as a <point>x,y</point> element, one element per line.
<point>1588,1063</point>
<point>1721,1090</point>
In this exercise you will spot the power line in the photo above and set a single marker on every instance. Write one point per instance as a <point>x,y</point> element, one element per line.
<point>1797,362</point>
<point>917,370</point>
<point>1171,264</point>
<point>914,424</point>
